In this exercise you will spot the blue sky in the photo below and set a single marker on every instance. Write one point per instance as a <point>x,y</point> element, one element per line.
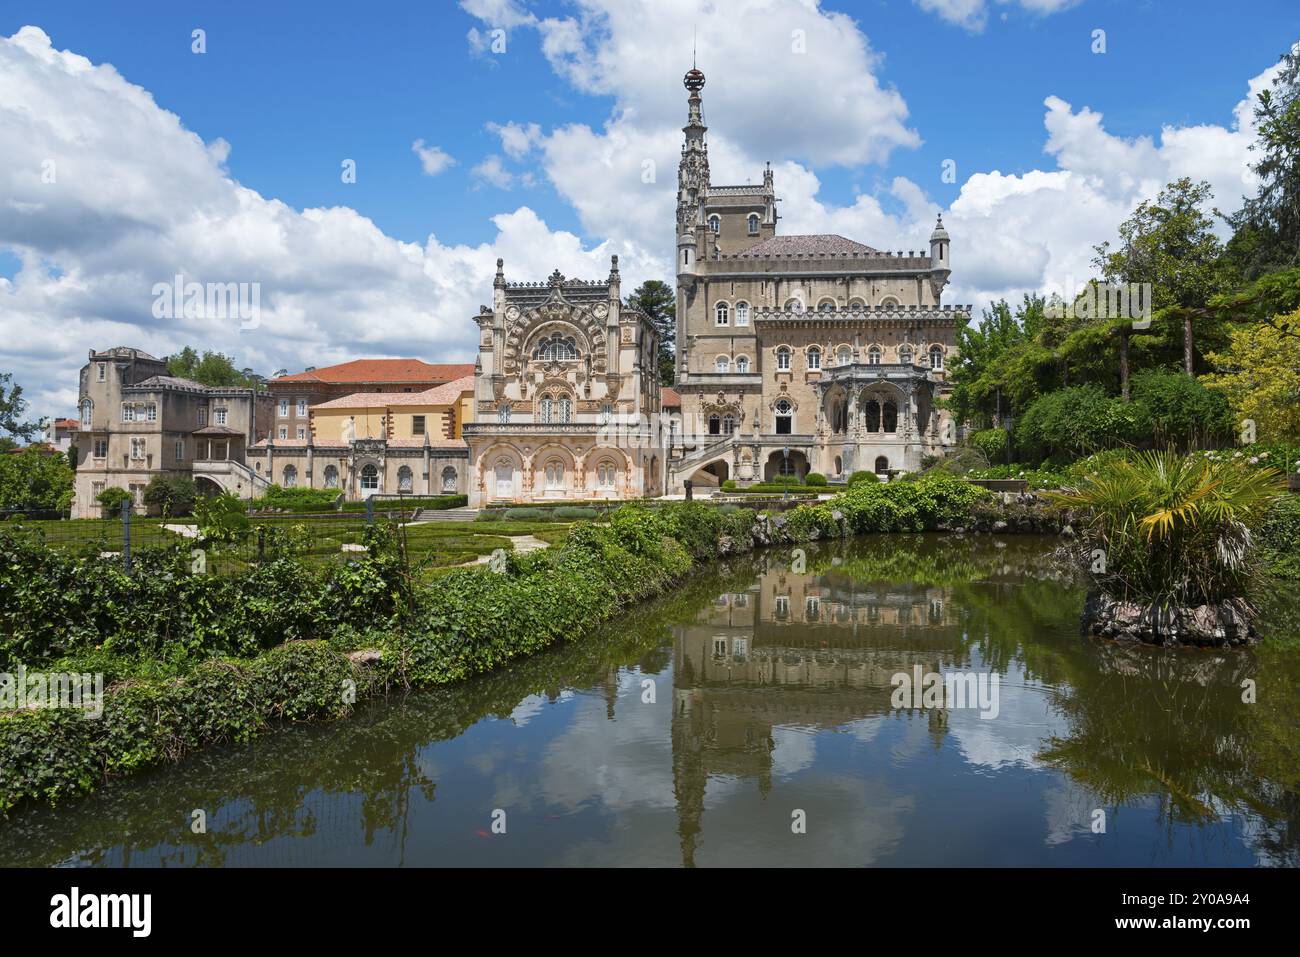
<point>295,89</point>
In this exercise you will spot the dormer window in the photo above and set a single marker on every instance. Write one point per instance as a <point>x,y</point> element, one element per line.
<point>753,224</point>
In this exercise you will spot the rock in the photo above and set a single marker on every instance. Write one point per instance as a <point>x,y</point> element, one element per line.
<point>367,656</point>
<point>999,526</point>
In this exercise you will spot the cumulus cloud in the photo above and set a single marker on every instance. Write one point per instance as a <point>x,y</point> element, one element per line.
<point>105,194</point>
<point>433,159</point>
<point>973,15</point>
<point>517,139</point>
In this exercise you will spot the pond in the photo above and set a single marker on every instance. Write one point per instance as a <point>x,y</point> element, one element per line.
<point>757,717</point>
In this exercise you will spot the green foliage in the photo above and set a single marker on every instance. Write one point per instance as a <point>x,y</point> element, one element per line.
<point>490,515</point>
<point>576,513</point>
<point>864,476</point>
<point>1181,411</point>
<point>112,499</point>
<point>1175,530</point>
<point>814,479</point>
<point>12,408</point>
<point>1279,538</point>
<point>658,301</point>
<point>930,502</point>
<point>729,485</point>
<point>212,368</point>
<point>34,480</point>
<point>991,443</point>
<point>222,518</point>
<point>172,495</point>
<point>526,514</point>
<point>1078,421</point>
<point>298,499</point>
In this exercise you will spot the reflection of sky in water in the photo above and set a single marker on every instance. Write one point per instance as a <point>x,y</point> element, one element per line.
<point>792,720</point>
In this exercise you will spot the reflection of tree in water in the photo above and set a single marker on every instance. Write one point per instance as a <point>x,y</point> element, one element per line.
<point>294,783</point>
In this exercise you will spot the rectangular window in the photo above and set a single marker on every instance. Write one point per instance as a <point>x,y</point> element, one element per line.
<point>302,408</point>
<point>137,449</point>
<point>101,372</point>
<point>96,488</point>
<point>151,412</point>
<point>128,412</point>
<point>417,425</point>
<point>179,450</point>
<point>284,432</point>
<point>137,495</point>
<point>302,432</point>
<point>203,416</point>
<point>284,408</point>
<point>219,416</point>
<point>101,448</point>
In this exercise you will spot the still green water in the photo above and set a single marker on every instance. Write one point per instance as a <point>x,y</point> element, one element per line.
<point>704,728</point>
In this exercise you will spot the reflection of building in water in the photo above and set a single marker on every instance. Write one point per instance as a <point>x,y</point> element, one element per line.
<point>792,650</point>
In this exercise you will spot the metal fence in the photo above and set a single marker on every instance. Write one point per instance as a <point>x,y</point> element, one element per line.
<point>260,536</point>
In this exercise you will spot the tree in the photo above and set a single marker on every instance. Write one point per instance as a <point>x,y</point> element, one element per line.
<point>174,495</point>
<point>1267,227</point>
<point>211,368</point>
<point>36,480</point>
<point>1169,243</point>
<point>657,300</point>
<point>12,408</point>
<point>1260,375</point>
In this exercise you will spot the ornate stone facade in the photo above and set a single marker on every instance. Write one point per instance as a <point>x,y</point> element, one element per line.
<point>800,353</point>
<point>567,398</point>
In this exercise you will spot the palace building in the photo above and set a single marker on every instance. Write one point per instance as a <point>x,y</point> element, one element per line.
<point>800,353</point>
<point>563,367</point>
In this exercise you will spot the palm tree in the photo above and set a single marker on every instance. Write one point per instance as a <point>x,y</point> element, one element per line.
<point>1176,530</point>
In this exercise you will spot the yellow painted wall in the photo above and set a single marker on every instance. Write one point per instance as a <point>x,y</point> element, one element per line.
<point>328,424</point>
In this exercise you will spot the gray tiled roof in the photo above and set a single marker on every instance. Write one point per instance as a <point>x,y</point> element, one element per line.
<point>806,245</point>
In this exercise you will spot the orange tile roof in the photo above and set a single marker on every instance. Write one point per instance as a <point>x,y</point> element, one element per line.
<point>669,398</point>
<point>446,394</point>
<point>360,371</point>
<point>66,424</point>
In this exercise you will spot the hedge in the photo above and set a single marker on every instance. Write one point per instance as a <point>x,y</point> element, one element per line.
<point>85,614</point>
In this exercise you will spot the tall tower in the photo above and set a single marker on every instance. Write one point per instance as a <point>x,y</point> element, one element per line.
<point>692,189</point>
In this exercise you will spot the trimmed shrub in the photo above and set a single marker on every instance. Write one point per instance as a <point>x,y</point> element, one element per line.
<point>857,477</point>
<point>527,514</point>
<point>815,479</point>
<point>576,513</point>
<point>991,443</point>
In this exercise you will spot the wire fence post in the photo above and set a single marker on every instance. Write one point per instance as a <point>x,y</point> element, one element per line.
<point>126,535</point>
<point>261,543</point>
<point>370,510</point>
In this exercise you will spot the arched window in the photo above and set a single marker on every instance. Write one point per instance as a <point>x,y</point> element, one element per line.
<point>905,355</point>
<point>557,346</point>
<point>873,356</point>
<point>782,359</point>
<point>936,358</point>
<point>890,417</point>
<point>331,477</point>
<point>857,304</point>
<point>844,357</point>
<point>405,481</point>
<point>554,475</point>
<point>723,364</point>
<point>742,313</point>
<point>566,409</point>
<point>715,425</point>
<point>369,479</point>
<point>728,424</point>
<point>504,474</point>
<point>889,302</point>
<point>290,477</point>
<point>722,314</point>
<point>449,479</point>
<point>873,416</point>
<point>547,408</point>
<point>882,465</point>
<point>839,465</point>
<point>87,412</point>
<point>753,224</point>
<point>742,364</point>
<point>826,305</point>
<point>606,473</point>
<point>784,417</point>
<point>814,358</point>
<point>503,412</point>
<point>715,224</point>
<point>793,305</point>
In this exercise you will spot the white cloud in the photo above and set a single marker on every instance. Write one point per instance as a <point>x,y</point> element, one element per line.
<point>517,139</point>
<point>493,172</point>
<point>433,159</point>
<point>137,198</point>
<point>973,15</point>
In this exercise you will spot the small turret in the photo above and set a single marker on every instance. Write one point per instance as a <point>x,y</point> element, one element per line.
<point>940,260</point>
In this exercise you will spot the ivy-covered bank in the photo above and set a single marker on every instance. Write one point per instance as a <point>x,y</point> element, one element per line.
<point>191,660</point>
